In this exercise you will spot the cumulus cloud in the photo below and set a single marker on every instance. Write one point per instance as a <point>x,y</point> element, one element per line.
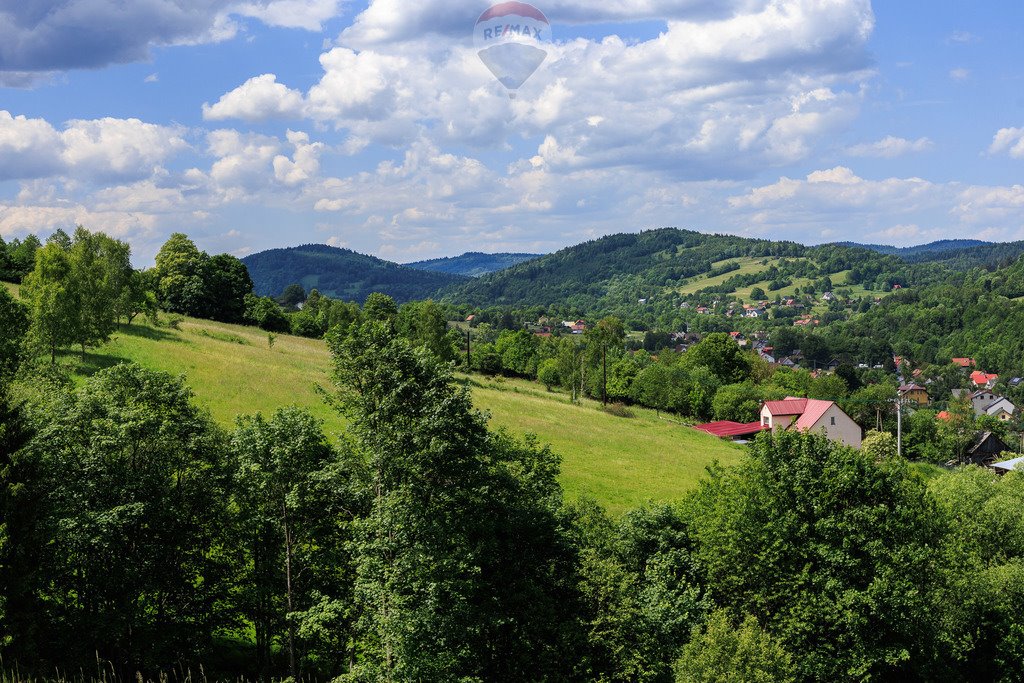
<point>890,147</point>
<point>92,150</point>
<point>258,99</point>
<point>390,21</point>
<point>1010,141</point>
<point>713,97</point>
<point>56,35</point>
<point>960,74</point>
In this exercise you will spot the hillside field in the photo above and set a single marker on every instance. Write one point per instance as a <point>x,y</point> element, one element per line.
<point>621,462</point>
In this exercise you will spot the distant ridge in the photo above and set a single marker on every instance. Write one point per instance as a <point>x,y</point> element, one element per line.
<point>930,248</point>
<point>473,263</point>
<point>342,274</point>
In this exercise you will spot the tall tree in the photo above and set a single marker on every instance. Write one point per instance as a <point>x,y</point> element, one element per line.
<point>50,292</point>
<point>461,567</point>
<point>282,467</point>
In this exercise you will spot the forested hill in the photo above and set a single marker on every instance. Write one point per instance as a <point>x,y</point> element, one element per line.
<point>342,274</point>
<point>473,263</point>
<point>917,251</point>
<point>617,271</point>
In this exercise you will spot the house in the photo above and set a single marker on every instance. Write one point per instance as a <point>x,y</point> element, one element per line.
<point>915,393</point>
<point>983,379</point>
<point>731,430</point>
<point>1016,382</point>
<point>833,365</point>
<point>1003,409</point>
<point>702,310</point>
<point>755,313</point>
<point>1017,464</point>
<point>828,296</point>
<point>964,362</point>
<point>811,415</point>
<point>985,450</point>
<point>470,318</point>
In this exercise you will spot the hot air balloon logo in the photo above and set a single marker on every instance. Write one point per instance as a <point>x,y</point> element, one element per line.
<point>510,39</point>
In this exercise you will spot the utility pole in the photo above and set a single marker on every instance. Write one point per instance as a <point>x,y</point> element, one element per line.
<point>899,428</point>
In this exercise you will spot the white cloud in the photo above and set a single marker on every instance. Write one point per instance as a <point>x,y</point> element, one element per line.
<point>258,99</point>
<point>304,164</point>
<point>1009,140</point>
<point>112,148</point>
<point>305,14</point>
<point>756,86</point>
<point>29,148</point>
<point>960,74</point>
<point>890,147</point>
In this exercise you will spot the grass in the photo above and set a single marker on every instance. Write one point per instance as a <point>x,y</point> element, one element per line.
<point>622,462</point>
<point>748,264</point>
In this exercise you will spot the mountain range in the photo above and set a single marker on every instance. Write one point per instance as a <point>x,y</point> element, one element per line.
<point>617,271</point>
<point>473,263</point>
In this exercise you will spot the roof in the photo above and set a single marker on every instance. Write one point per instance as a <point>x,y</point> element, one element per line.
<point>791,406</point>
<point>728,428</point>
<point>1009,465</point>
<point>964,362</point>
<point>981,378</point>
<point>815,409</point>
<point>911,387</point>
<point>943,415</point>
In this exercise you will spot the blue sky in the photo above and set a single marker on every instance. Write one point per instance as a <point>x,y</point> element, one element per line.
<point>266,123</point>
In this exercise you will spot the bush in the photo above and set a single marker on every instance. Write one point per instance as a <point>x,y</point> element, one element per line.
<point>619,410</point>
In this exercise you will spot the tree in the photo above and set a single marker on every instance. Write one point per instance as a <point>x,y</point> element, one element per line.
<point>424,322</point>
<point>460,562</point>
<point>179,276</point>
<point>811,537</point>
<point>116,544</point>
<point>519,352</point>
<point>720,354</point>
<point>281,471</point>
<point>264,312</point>
<point>292,296</point>
<point>757,294</point>
<point>381,308</point>
<point>721,653</point>
<point>737,402</point>
<point>547,373</point>
<point>49,291</point>
<point>226,283</point>
<point>14,325</point>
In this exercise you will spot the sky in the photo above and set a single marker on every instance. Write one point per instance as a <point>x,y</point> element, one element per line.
<point>376,126</point>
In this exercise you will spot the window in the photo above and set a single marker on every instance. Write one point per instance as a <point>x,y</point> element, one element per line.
<point>833,421</point>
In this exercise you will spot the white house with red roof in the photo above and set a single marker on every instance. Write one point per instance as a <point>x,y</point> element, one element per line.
<point>811,415</point>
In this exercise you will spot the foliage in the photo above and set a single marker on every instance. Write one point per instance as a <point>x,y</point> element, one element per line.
<point>814,538</point>
<point>193,283</point>
<point>722,653</point>
<point>470,583</point>
<point>114,550</point>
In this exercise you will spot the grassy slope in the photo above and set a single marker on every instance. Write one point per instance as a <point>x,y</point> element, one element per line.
<point>621,462</point>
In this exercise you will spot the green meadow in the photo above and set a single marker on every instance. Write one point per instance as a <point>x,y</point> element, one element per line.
<point>622,462</point>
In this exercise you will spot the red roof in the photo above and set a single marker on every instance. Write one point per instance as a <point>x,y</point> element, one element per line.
<point>981,378</point>
<point>943,415</point>
<point>964,362</point>
<point>808,410</point>
<point>815,409</point>
<point>727,428</point>
<point>791,406</point>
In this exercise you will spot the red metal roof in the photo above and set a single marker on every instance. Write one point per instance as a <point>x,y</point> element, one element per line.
<point>815,409</point>
<point>727,428</point>
<point>791,406</point>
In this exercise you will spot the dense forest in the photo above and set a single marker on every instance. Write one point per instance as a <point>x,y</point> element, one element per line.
<point>342,274</point>
<point>473,263</point>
